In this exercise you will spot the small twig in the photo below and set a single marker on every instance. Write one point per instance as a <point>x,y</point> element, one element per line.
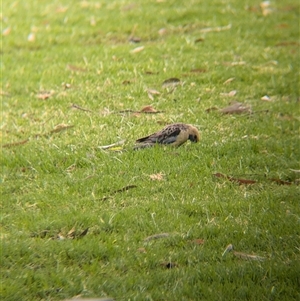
<point>119,190</point>
<point>15,143</point>
<point>75,106</point>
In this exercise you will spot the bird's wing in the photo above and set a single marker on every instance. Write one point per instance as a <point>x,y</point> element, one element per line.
<point>166,136</point>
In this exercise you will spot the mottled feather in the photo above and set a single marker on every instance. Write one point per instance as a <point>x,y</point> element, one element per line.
<point>173,134</point>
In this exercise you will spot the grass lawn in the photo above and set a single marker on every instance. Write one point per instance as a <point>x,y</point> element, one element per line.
<point>152,224</point>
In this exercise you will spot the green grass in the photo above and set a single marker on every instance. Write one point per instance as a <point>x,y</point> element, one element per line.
<point>57,181</point>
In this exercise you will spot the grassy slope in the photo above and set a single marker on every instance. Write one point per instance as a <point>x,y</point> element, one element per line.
<point>58,181</point>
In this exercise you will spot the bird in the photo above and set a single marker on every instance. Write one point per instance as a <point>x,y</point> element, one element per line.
<point>174,134</point>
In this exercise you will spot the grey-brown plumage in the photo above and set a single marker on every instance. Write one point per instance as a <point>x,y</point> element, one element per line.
<point>173,134</point>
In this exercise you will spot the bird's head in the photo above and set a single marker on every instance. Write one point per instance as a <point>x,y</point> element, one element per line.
<point>194,135</point>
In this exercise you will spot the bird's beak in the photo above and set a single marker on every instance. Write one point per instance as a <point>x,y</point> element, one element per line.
<point>193,138</point>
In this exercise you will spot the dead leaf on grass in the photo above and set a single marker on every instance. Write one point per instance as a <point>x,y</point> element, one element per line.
<point>238,63</point>
<point>153,91</point>
<point>197,241</point>
<point>137,49</point>
<point>228,81</point>
<point>141,250</point>
<point>157,177</point>
<point>216,29</point>
<point>76,68</point>
<point>72,233</point>
<point>162,31</point>
<point>62,9</point>
<point>231,179</point>
<point>59,128</point>
<point>265,7</point>
<point>281,182</point>
<point>242,255</point>
<point>248,256</point>
<point>230,94</point>
<point>288,43</point>
<point>236,108</point>
<point>198,70</point>
<point>45,94</point>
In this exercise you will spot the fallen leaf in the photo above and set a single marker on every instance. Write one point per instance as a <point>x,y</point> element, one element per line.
<point>153,91</point>
<point>248,256</point>
<point>281,182</point>
<point>141,250</point>
<point>288,43</point>
<point>197,241</point>
<point>266,8</point>
<point>229,80</point>
<point>198,70</point>
<point>236,108</point>
<point>59,128</point>
<point>137,49</point>
<point>157,177</point>
<point>230,94</point>
<point>71,234</point>
<point>216,29</point>
<point>45,94</point>
<point>156,236</point>
<point>61,9</point>
<point>240,63</point>
<point>75,68</point>
<point>231,179</point>
<point>162,31</point>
